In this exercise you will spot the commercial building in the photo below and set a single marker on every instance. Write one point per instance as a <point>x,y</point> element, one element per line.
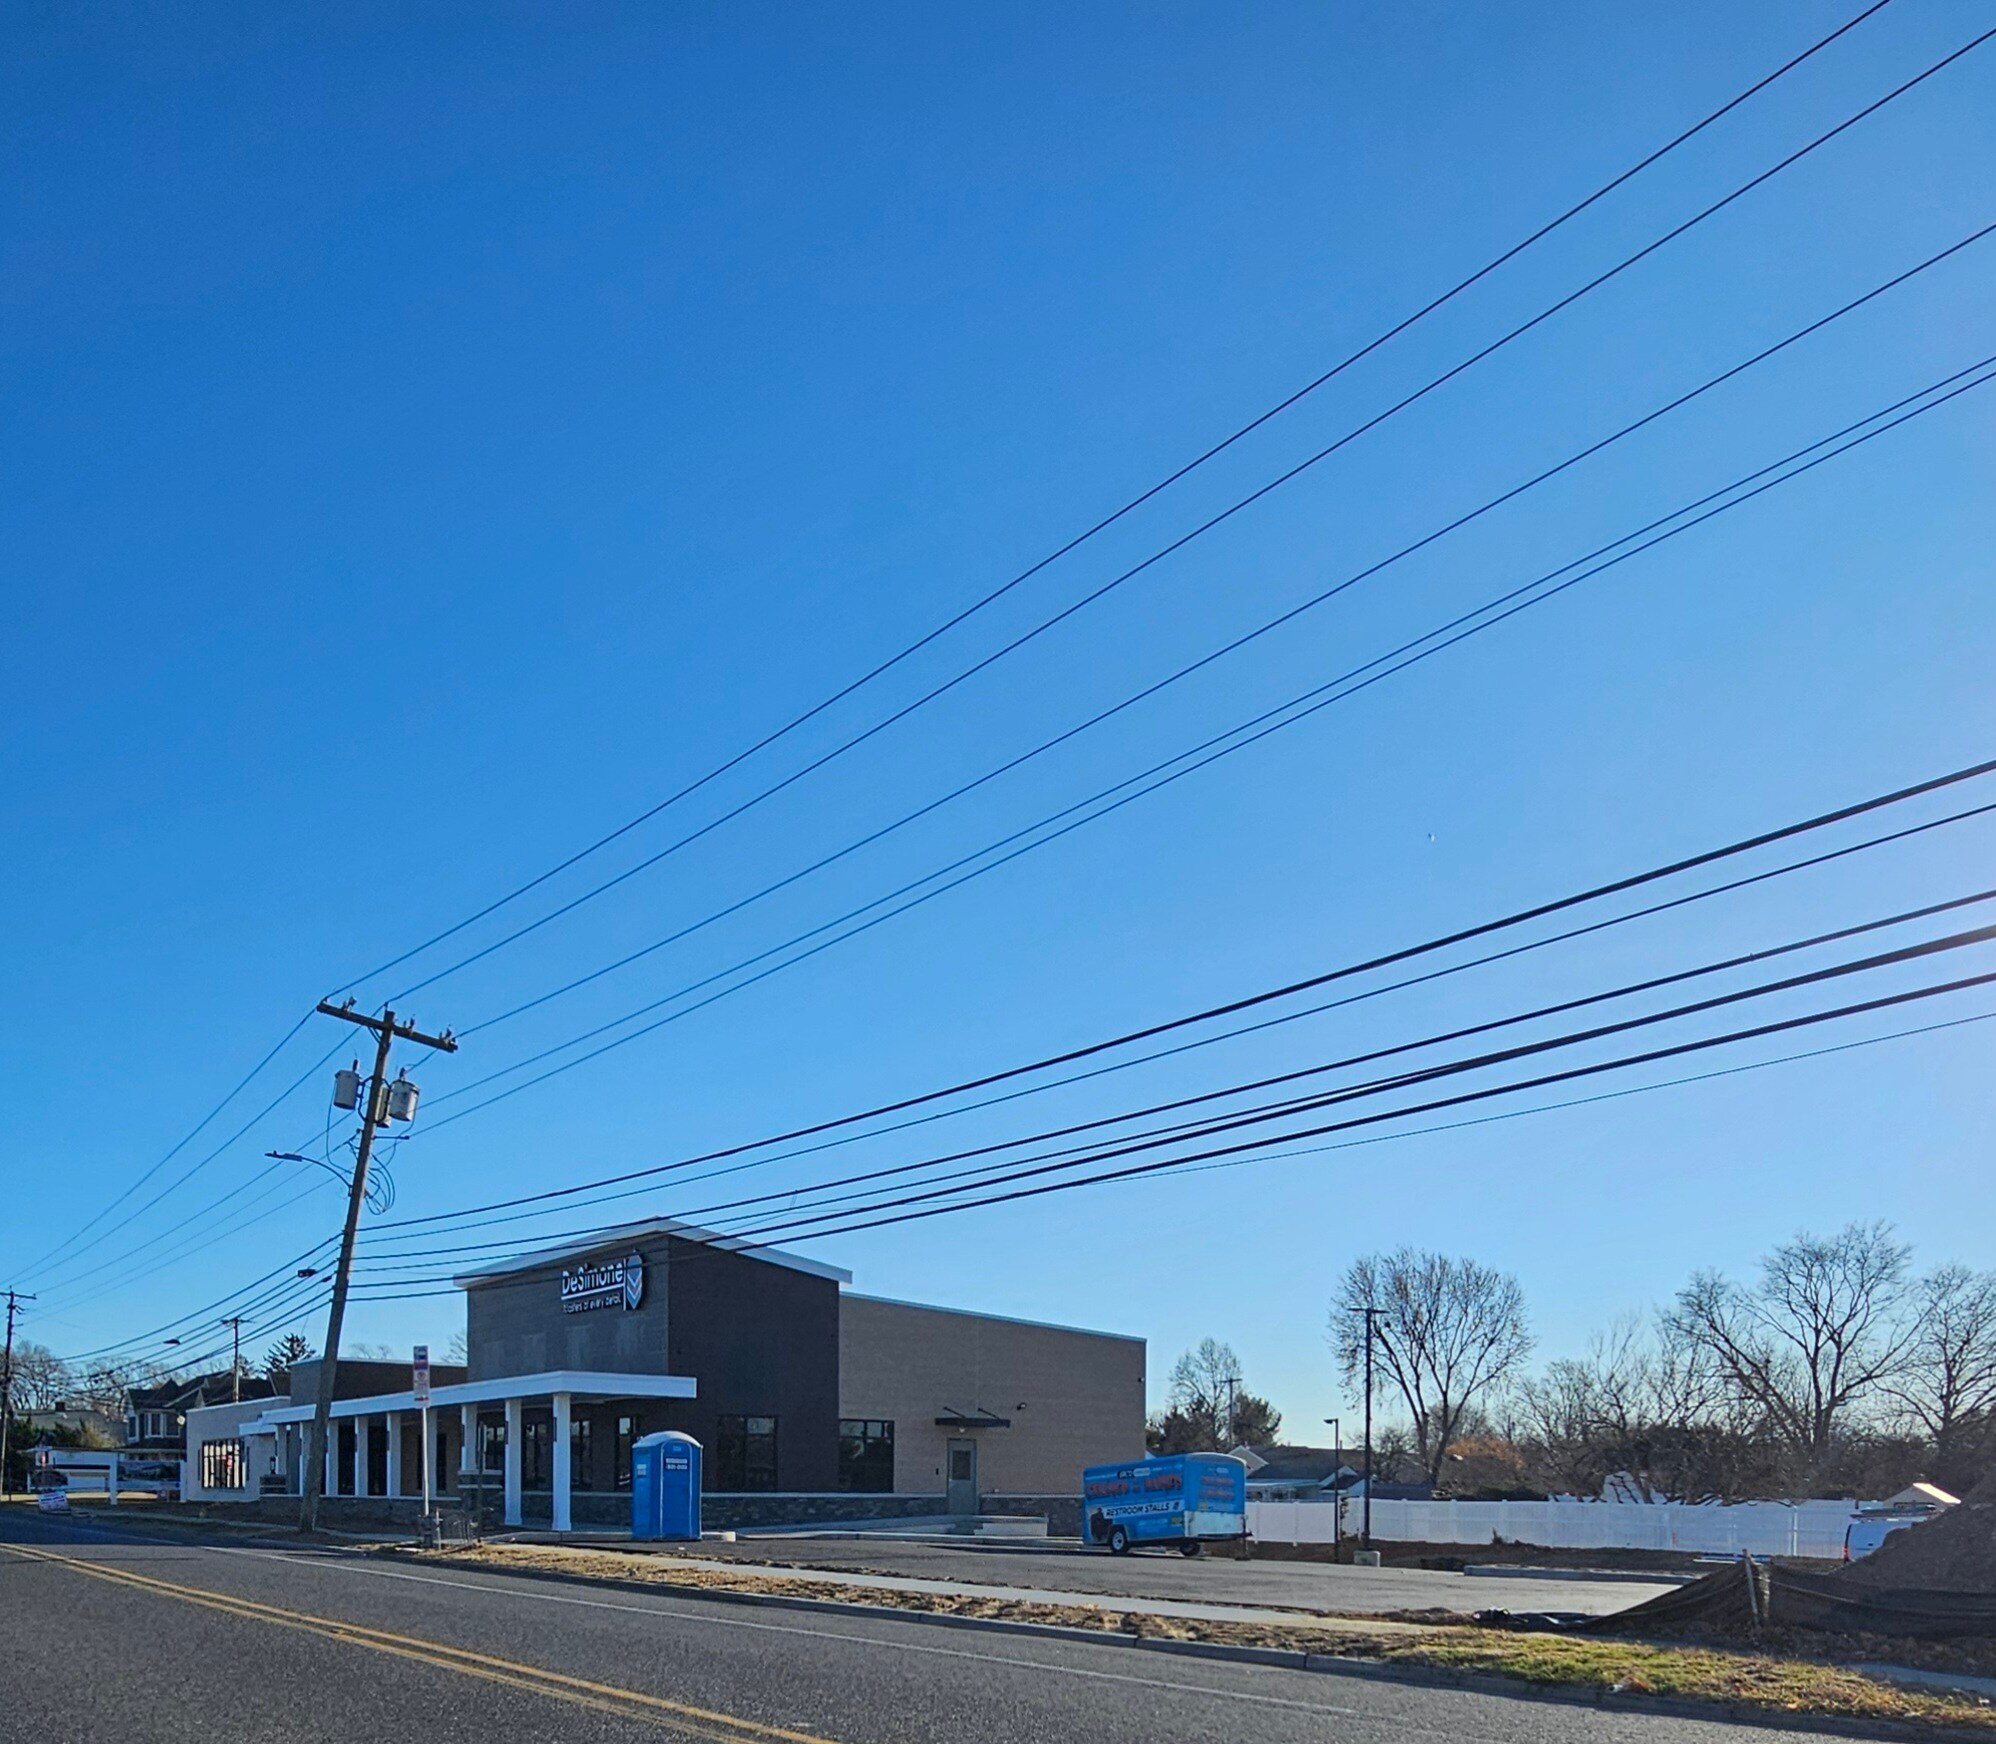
<point>811,1402</point>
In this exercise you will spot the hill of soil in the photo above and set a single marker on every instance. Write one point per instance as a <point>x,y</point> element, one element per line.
<point>1955,1552</point>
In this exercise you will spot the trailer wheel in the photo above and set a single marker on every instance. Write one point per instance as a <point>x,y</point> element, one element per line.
<point>1192,1547</point>
<point>1119,1540</point>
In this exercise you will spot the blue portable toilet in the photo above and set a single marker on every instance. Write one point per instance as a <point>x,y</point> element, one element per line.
<point>665,1486</point>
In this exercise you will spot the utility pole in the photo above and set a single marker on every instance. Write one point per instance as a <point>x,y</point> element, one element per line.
<point>379,1102</point>
<point>14,1301</point>
<point>1365,1530</point>
<point>235,1325</point>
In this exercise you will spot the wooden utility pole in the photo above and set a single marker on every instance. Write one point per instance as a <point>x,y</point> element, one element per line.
<point>14,1301</point>
<point>235,1325</point>
<point>1371,1314</point>
<point>374,1114</point>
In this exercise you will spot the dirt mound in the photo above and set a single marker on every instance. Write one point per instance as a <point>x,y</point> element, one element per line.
<point>1984,1491</point>
<point>1955,1551</point>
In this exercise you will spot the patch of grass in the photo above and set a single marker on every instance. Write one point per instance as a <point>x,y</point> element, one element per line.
<point>1793,1686</point>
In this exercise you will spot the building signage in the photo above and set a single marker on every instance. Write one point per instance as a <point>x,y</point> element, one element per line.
<point>603,1284</point>
<point>420,1375</point>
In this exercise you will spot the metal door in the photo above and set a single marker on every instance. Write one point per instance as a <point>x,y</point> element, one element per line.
<point>961,1471</point>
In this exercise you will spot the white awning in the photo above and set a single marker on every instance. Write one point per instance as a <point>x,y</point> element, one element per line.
<point>580,1384</point>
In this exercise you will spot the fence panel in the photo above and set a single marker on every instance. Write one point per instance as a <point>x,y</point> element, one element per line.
<point>1764,1528</point>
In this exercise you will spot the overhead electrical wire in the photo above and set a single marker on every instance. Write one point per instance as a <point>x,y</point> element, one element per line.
<point>1370,1056</point>
<point>1197,532</point>
<point>1132,504</point>
<point>896,1207</point>
<point>1209,751</point>
<point>1354,357</point>
<point>1827,442</point>
<point>1269,625</point>
<point>388,1293</point>
<point>1382,960</point>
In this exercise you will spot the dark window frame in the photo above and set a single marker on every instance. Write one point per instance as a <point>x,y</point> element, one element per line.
<point>866,1455</point>
<point>745,1453</point>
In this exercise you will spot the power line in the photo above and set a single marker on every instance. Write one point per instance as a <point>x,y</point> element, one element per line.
<point>1144,496</point>
<point>1251,1086</point>
<point>1209,751</point>
<point>1268,626</point>
<point>1382,960</point>
<point>1383,339</point>
<point>1198,531</point>
<point>389,1293</point>
<point>896,1208</point>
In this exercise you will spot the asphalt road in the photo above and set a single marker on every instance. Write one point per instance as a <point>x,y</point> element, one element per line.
<point>112,1638</point>
<point>1306,1586</point>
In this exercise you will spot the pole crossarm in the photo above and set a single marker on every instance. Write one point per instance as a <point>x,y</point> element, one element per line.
<point>386,1024</point>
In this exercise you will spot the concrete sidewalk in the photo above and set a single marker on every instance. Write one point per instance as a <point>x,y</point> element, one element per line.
<point>1147,1582</point>
<point>1190,1611</point>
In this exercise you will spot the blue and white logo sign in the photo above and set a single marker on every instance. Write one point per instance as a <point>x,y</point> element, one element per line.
<point>603,1284</point>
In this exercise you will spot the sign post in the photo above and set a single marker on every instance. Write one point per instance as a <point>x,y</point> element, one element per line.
<point>421,1388</point>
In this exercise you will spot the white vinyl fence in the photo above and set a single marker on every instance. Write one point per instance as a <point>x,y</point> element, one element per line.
<point>1764,1528</point>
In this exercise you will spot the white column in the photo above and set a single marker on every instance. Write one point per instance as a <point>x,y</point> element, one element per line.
<point>394,1420</point>
<point>516,1433</point>
<point>562,1473</point>
<point>467,1454</point>
<point>360,1456</point>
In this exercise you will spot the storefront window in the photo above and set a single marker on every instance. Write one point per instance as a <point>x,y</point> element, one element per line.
<point>627,1433</point>
<point>492,1444</point>
<point>581,1474</point>
<point>744,1453</point>
<point>221,1465</point>
<point>866,1454</point>
<point>534,1442</point>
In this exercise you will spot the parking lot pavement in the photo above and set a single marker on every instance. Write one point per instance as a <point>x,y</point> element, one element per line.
<point>1299,1586</point>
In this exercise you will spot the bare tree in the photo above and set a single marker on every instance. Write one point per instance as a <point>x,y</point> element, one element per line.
<point>41,1380</point>
<point>1448,1332</point>
<point>1949,1376</point>
<point>1207,1407</point>
<point>458,1351</point>
<point>1821,1330</point>
<point>1641,1408</point>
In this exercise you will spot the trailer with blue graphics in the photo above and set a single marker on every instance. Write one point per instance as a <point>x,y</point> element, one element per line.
<point>1182,1499</point>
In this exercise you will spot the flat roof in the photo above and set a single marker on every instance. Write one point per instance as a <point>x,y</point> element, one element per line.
<point>581,1383</point>
<point>1003,1319</point>
<point>617,1234</point>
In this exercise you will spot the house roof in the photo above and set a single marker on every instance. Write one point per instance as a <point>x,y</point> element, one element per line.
<point>618,1234</point>
<point>1295,1465</point>
<point>209,1389</point>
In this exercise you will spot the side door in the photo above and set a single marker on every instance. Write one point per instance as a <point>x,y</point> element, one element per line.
<point>960,1473</point>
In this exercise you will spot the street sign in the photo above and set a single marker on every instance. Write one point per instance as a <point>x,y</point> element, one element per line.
<point>422,1374</point>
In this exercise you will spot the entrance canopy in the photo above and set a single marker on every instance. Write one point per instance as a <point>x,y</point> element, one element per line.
<point>577,1384</point>
<point>562,1388</point>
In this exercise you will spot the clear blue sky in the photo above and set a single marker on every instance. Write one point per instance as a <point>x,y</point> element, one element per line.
<point>433,436</point>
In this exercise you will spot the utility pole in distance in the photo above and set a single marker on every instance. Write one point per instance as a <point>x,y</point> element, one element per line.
<point>379,1102</point>
<point>1365,1531</point>
<point>235,1325</point>
<point>14,1301</point>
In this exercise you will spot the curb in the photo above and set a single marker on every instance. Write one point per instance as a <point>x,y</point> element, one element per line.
<point>1289,1659</point>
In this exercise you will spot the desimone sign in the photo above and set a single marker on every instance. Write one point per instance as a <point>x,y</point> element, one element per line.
<point>603,1284</point>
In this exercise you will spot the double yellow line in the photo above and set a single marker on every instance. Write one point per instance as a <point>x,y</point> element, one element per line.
<point>627,1704</point>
